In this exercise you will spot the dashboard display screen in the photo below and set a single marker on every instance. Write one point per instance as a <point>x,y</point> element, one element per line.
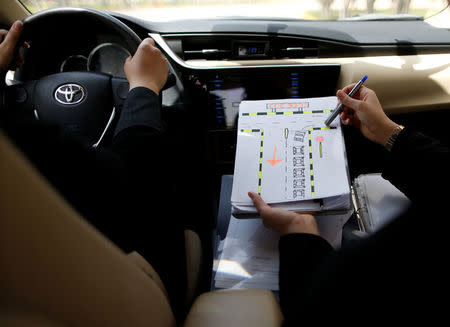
<point>227,88</point>
<point>250,49</point>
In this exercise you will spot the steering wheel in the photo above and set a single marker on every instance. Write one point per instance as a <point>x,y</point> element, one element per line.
<point>83,102</point>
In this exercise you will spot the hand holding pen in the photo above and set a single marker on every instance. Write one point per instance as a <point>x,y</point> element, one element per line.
<point>338,109</point>
<point>365,112</point>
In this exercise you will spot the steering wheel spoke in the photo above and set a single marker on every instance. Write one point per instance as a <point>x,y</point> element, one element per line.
<point>17,102</point>
<point>107,128</point>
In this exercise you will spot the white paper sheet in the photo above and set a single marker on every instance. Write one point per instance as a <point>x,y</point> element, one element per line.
<point>286,153</point>
<point>250,259</point>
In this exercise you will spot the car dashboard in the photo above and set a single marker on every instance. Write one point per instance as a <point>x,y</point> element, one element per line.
<point>219,63</point>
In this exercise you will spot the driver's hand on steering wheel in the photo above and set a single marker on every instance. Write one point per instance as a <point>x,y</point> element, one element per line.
<point>147,68</point>
<point>8,45</point>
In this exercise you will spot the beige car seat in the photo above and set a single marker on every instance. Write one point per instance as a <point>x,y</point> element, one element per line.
<point>58,270</point>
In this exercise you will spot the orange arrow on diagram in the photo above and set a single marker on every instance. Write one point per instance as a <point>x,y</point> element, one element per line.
<point>274,161</point>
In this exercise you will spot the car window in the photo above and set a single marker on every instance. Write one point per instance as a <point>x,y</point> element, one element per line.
<point>166,10</point>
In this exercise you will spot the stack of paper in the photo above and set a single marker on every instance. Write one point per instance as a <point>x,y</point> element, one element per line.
<point>249,256</point>
<point>286,154</point>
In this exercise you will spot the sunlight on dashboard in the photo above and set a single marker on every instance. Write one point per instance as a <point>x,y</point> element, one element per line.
<point>441,79</point>
<point>435,62</point>
<point>388,61</point>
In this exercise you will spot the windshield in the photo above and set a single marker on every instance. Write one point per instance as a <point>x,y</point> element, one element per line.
<point>166,10</point>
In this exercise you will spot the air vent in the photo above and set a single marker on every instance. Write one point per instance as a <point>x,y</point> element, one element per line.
<point>295,48</point>
<point>207,47</point>
<point>241,47</point>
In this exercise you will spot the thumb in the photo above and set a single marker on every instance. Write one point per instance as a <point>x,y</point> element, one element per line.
<point>349,101</point>
<point>128,60</point>
<point>11,38</point>
<point>127,63</point>
<point>257,201</point>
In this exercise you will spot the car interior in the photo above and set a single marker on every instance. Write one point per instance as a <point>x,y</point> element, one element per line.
<point>56,269</point>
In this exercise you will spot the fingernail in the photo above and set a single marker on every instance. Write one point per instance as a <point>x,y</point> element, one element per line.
<point>18,25</point>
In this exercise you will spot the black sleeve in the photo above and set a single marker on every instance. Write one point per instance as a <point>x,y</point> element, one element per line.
<point>138,138</point>
<point>138,134</point>
<point>141,108</point>
<point>142,144</point>
<point>418,166</point>
<point>300,256</point>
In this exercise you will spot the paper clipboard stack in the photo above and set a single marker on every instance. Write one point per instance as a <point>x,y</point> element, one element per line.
<point>376,202</point>
<point>287,154</point>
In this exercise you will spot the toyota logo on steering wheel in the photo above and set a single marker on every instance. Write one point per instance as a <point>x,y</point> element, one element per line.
<point>70,94</point>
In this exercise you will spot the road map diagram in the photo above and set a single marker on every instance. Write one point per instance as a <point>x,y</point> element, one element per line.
<point>286,153</point>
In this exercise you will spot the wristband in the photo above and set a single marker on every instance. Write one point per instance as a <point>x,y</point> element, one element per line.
<point>391,141</point>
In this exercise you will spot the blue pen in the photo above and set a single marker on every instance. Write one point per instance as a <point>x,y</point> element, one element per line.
<point>338,109</point>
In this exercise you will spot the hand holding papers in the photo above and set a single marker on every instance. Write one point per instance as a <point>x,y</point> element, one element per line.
<point>286,154</point>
